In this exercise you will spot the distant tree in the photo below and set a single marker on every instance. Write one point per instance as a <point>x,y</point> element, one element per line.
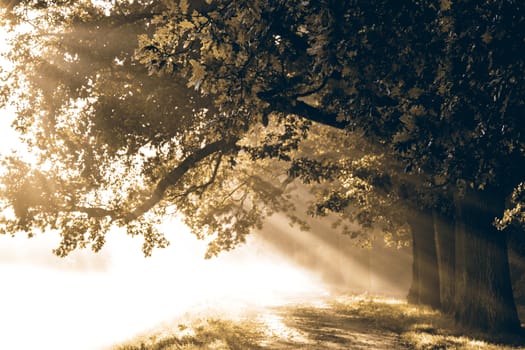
<point>435,86</point>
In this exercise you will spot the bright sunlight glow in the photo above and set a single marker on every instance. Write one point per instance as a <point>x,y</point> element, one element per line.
<point>90,301</point>
<point>106,298</point>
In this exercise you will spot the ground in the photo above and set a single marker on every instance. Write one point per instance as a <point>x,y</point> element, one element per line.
<point>346,322</point>
<point>325,327</point>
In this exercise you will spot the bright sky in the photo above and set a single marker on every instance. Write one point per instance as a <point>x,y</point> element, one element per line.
<point>89,301</point>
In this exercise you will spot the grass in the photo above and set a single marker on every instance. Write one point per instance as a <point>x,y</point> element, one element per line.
<point>421,327</point>
<point>213,333</point>
<point>350,322</point>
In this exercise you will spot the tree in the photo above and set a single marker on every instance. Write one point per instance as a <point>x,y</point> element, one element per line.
<point>110,142</point>
<point>109,114</point>
<point>447,105</point>
<point>439,95</point>
<point>368,188</point>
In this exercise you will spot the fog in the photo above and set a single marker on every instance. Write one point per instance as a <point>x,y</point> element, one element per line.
<point>339,261</point>
<point>89,301</point>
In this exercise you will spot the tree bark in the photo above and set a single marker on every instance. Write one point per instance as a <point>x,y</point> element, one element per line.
<point>446,258</point>
<point>413,292</point>
<point>484,298</point>
<point>425,275</point>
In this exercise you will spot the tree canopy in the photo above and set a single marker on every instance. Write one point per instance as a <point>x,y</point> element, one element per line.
<point>137,109</point>
<point>110,142</point>
<point>134,110</point>
<point>112,145</point>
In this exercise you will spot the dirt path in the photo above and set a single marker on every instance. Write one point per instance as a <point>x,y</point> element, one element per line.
<point>316,328</point>
<point>346,322</point>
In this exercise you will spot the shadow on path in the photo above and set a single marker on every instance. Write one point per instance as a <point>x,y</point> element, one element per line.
<point>324,328</point>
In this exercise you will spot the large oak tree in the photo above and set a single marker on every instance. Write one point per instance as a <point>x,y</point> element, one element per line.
<point>214,86</point>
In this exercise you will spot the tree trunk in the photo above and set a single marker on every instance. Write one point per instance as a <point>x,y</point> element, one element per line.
<point>484,297</point>
<point>413,292</point>
<point>446,251</point>
<point>425,276</point>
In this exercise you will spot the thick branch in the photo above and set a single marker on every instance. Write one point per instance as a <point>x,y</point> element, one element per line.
<point>176,174</point>
<point>94,212</point>
<point>304,110</point>
<point>205,185</point>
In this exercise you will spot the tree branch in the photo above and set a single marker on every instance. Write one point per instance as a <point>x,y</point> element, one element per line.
<point>176,174</point>
<point>304,110</point>
<point>94,212</point>
<point>312,91</point>
<point>205,185</point>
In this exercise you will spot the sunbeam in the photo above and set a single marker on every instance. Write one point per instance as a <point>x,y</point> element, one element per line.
<point>88,301</point>
<point>118,293</point>
<point>337,260</point>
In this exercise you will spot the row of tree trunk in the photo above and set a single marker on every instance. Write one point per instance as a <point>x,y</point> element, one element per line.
<point>461,264</point>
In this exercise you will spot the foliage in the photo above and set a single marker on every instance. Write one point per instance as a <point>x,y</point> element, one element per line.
<point>515,214</point>
<point>189,106</point>
<point>355,179</point>
<point>431,82</point>
<point>109,142</point>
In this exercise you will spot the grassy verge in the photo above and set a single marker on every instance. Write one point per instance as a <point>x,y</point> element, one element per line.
<point>328,325</point>
<point>213,333</point>
<point>421,327</point>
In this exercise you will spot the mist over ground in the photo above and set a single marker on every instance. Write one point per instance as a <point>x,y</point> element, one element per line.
<point>109,297</point>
